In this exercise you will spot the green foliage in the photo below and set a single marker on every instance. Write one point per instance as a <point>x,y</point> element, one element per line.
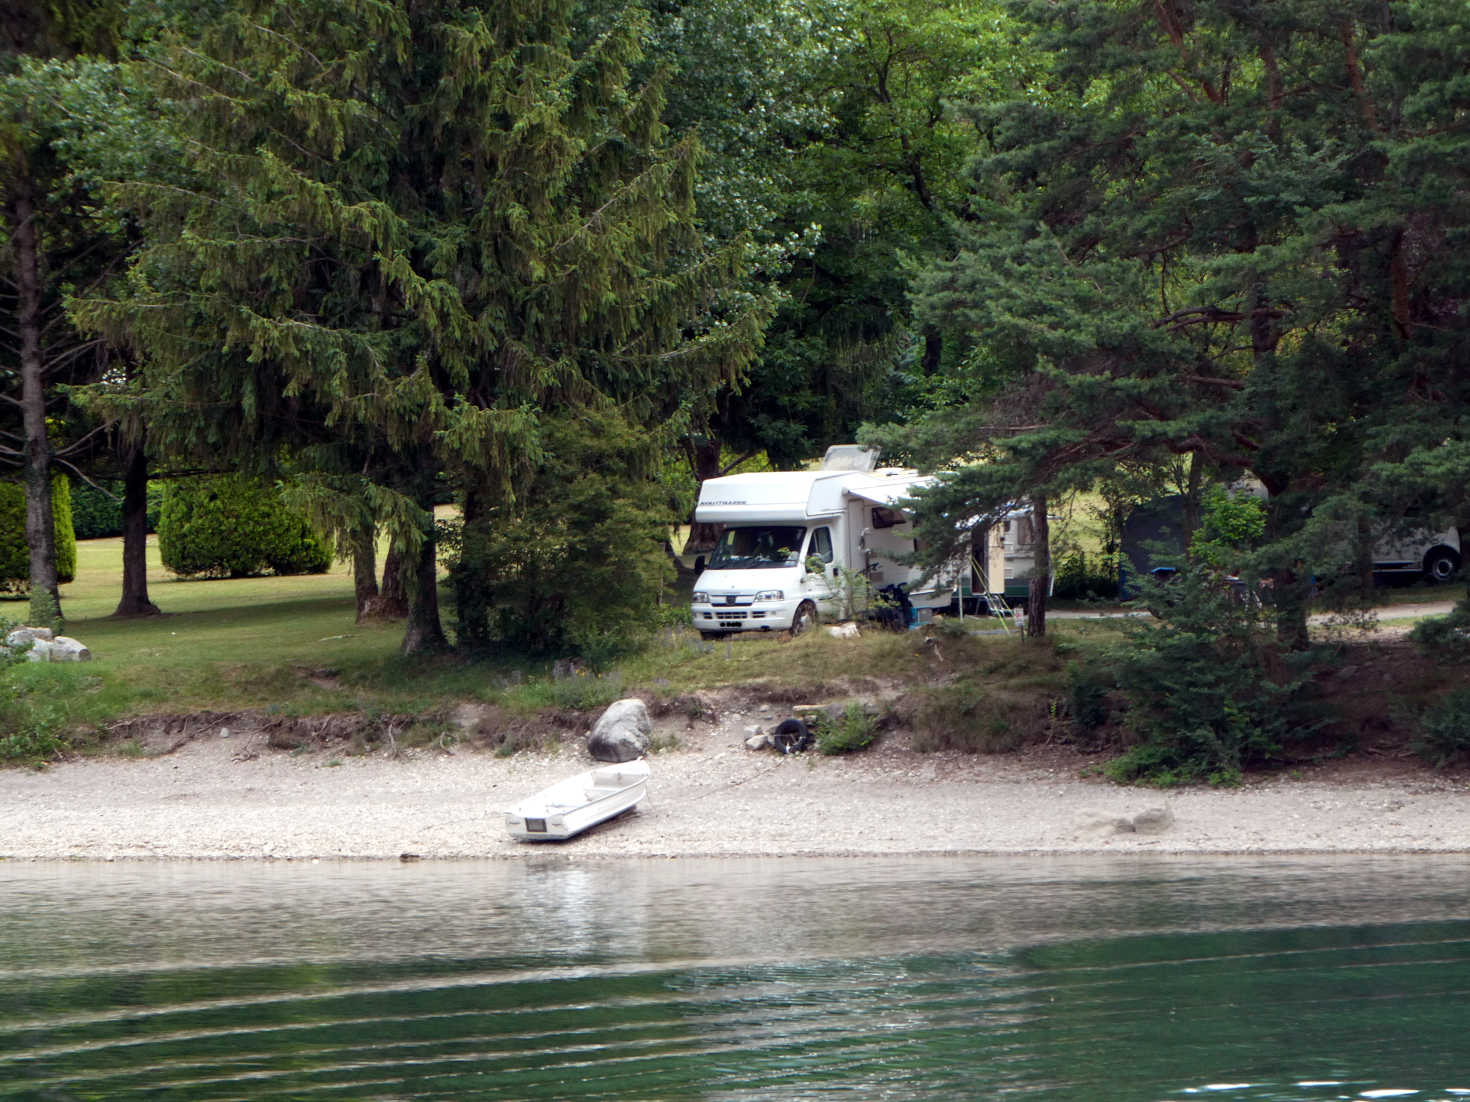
<point>97,512</point>
<point>1444,734</point>
<point>1087,695</point>
<point>415,233</point>
<point>1190,240</point>
<point>855,729</point>
<point>577,564</point>
<point>232,527</point>
<point>15,564</point>
<point>1231,526</point>
<point>1210,692</point>
<point>30,724</point>
<point>1446,638</point>
<point>66,539</point>
<point>1083,577</point>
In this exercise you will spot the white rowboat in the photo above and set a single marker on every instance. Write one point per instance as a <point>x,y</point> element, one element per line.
<point>571,806</point>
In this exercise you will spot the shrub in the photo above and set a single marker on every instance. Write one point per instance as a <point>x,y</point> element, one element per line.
<point>1230,527</point>
<point>976,718</point>
<point>1444,735</point>
<point>97,512</point>
<point>1210,692</point>
<point>577,564</point>
<point>232,527</point>
<point>1447,638</point>
<point>853,729</point>
<point>1080,578</point>
<point>15,561</point>
<point>1087,697</point>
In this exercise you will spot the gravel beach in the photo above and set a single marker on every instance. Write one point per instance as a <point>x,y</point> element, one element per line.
<point>227,796</point>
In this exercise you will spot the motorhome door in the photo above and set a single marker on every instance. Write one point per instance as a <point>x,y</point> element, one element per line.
<point>822,585</point>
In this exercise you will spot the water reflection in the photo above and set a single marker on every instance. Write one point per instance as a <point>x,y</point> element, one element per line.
<point>1058,978</point>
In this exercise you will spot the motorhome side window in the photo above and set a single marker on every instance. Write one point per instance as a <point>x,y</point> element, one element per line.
<point>758,547</point>
<point>822,544</point>
<point>884,517</point>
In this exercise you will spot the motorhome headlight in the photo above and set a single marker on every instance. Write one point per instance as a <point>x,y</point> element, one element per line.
<point>770,595</point>
<point>701,598</point>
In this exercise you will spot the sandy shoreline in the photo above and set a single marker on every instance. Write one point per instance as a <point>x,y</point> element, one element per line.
<point>232,798</point>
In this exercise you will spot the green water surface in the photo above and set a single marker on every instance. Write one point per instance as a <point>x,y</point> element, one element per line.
<point>1152,980</point>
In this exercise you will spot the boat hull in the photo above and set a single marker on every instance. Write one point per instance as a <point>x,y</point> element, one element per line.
<point>578,803</point>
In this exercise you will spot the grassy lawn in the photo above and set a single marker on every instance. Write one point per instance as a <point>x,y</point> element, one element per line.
<point>291,646</point>
<point>249,642</point>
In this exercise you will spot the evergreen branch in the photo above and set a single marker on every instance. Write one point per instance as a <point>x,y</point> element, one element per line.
<point>271,32</point>
<point>76,352</point>
<point>246,77</point>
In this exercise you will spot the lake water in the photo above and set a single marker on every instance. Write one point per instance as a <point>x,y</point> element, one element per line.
<point>1158,980</point>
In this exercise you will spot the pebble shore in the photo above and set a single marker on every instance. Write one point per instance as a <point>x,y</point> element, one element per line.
<point>227,796</point>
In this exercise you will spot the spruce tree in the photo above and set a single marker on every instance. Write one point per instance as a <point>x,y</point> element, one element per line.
<point>410,230</point>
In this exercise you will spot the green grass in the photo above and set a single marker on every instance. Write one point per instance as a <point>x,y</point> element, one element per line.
<point>291,646</point>
<point>249,642</point>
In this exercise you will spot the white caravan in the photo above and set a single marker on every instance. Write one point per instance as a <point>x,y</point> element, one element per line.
<point>788,534</point>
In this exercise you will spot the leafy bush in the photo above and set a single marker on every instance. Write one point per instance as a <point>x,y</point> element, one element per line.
<point>1210,691</point>
<point>1087,697</point>
<point>577,564</point>
<point>232,527</point>
<point>1079,578</point>
<point>1231,525</point>
<point>1444,735</point>
<point>854,729</point>
<point>15,561</point>
<point>98,513</point>
<point>1446,639</point>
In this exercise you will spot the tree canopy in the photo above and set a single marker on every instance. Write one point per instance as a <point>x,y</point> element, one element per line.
<point>408,230</point>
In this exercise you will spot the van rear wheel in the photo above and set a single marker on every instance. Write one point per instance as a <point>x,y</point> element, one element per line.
<point>1441,564</point>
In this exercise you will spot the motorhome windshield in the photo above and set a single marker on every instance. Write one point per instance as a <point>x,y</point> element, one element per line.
<point>758,547</point>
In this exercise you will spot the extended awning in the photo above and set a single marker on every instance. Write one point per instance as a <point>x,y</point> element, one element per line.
<point>887,493</point>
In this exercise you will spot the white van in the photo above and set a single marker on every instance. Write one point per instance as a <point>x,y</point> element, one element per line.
<point>1434,555</point>
<point>788,534</point>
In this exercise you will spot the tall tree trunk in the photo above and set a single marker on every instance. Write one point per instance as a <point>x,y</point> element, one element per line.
<point>704,456</point>
<point>425,632</point>
<point>45,609</point>
<point>135,600</point>
<point>392,602</point>
<point>365,571</point>
<point>1040,586</point>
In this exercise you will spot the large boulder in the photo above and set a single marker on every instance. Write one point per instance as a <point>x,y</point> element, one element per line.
<point>621,734</point>
<point>46,646</point>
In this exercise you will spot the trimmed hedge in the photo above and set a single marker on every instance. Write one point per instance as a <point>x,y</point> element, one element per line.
<point>95,515</point>
<point>15,556</point>
<point>231,527</point>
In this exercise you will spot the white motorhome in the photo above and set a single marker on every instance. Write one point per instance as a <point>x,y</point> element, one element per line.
<point>787,535</point>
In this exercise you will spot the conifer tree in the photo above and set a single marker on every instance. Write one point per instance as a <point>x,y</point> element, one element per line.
<point>1223,231</point>
<point>410,230</point>
<point>54,238</point>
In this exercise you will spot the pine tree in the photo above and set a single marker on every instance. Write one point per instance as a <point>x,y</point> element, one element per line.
<point>1221,231</point>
